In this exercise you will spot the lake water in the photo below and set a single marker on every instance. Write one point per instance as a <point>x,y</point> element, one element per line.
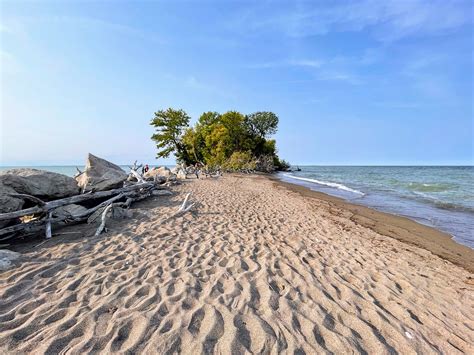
<point>442,197</point>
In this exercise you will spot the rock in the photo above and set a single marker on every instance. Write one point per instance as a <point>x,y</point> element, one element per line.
<point>181,175</point>
<point>157,174</point>
<point>121,213</point>
<point>100,175</point>
<point>69,210</point>
<point>6,258</point>
<point>171,177</point>
<point>8,203</point>
<point>42,184</point>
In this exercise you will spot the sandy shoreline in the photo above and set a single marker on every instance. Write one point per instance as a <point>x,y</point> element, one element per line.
<point>401,228</point>
<point>257,267</point>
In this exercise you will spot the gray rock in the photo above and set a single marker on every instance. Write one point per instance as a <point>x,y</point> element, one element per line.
<point>121,213</point>
<point>100,175</point>
<point>69,210</point>
<point>43,184</point>
<point>8,203</point>
<point>6,258</point>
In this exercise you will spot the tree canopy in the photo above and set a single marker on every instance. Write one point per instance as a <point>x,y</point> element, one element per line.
<point>232,141</point>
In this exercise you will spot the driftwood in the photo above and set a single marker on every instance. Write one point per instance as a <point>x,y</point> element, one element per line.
<point>36,226</point>
<point>42,217</point>
<point>29,197</point>
<point>48,226</point>
<point>104,217</point>
<point>184,206</point>
<point>72,200</point>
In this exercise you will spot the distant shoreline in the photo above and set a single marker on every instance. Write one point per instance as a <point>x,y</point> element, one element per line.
<point>397,227</point>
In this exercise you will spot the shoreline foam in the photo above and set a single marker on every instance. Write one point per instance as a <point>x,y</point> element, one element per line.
<point>399,227</point>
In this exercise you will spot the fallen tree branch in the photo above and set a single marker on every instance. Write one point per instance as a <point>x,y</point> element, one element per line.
<point>72,200</point>
<point>29,197</point>
<point>48,225</point>
<point>184,208</point>
<point>37,225</point>
<point>104,217</point>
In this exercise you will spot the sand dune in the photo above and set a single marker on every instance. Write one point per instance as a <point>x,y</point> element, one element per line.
<point>255,268</point>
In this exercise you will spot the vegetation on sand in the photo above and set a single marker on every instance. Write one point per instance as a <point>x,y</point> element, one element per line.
<point>231,141</point>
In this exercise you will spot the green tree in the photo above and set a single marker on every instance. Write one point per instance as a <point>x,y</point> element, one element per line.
<point>170,125</point>
<point>262,124</point>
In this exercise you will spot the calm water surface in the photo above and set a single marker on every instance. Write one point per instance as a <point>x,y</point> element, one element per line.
<point>442,197</point>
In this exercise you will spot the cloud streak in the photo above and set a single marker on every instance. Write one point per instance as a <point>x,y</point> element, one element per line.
<point>388,20</point>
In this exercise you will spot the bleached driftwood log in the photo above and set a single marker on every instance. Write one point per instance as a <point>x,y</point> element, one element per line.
<point>38,225</point>
<point>72,200</point>
<point>184,206</point>
<point>104,217</point>
<point>42,217</point>
<point>48,225</point>
<point>135,173</point>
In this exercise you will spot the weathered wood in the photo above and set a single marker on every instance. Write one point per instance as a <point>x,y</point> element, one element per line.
<point>29,197</point>
<point>48,225</point>
<point>73,199</point>
<point>137,175</point>
<point>184,208</point>
<point>104,217</point>
<point>38,225</point>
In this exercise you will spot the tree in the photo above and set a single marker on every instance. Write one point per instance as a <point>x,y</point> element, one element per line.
<point>231,140</point>
<point>170,125</point>
<point>262,124</point>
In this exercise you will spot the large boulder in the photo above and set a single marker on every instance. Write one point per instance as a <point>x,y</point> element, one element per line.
<point>40,183</point>
<point>100,175</point>
<point>157,174</point>
<point>161,171</point>
<point>8,203</point>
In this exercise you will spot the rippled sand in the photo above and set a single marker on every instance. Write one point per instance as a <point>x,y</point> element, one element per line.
<point>255,268</point>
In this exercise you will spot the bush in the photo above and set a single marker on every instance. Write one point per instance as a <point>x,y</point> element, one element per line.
<point>239,161</point>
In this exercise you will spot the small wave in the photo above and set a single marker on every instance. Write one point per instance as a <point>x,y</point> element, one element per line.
<point>325,183</point>
<point>430,187</point>
<point>445,205</point>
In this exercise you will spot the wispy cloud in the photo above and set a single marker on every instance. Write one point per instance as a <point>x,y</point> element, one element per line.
<point>387,20</point>
<point>309,63</point>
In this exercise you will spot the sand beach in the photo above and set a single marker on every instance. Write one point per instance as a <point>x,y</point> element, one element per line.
<point>254,267</point>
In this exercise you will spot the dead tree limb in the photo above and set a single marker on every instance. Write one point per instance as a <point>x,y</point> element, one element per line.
<point>104,217</point>
<point>72,200</point>
<point>29,197</point>
<point>48,225</point>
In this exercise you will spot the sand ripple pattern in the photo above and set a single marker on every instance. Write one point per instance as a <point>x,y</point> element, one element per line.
<point>255,269</point>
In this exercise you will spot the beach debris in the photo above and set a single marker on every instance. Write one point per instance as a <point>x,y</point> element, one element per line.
<point>39,183</point>
<point>181,175</point>
<point>408,335</point>
<point>48,225</point>
<point>100,175</point>
<point>102,223</point>
<point>184,206</point>
<point>94,205</point>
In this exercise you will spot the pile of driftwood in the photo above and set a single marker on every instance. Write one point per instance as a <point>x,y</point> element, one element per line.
<point>43,217</point>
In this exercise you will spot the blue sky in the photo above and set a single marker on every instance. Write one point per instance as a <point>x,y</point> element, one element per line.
<point>366,82</point>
